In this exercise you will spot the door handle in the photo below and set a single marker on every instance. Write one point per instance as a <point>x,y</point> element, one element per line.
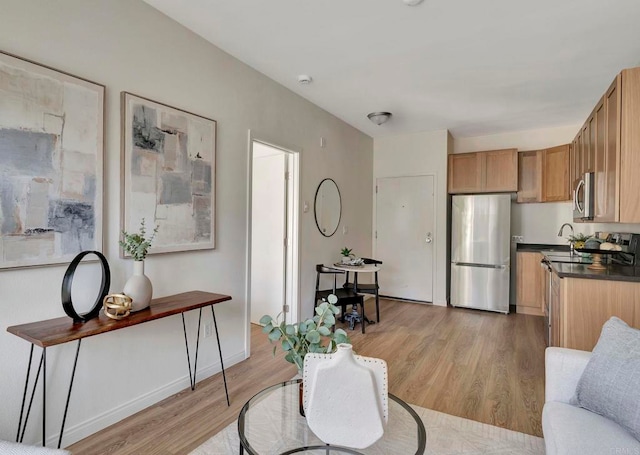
<point>429,239</point>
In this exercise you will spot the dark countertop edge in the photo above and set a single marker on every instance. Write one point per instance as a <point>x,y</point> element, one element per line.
<point>613,273</point>
<point>538,247</point>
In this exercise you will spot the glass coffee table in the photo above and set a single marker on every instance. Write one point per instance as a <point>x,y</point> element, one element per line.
<point>270,423</point>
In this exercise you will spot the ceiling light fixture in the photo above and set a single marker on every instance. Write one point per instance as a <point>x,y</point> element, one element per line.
<point>412,2</point>
<point>379,117</point>
<point>304,79</point>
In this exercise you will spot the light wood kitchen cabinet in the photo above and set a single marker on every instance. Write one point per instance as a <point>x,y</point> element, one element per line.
<point>591,148</point>
<point>607,171</point>
<point>465,173</point>
<point>530,284</point>
<point>555,174</point>
<point>501,171</point>
<point>530,176</point>
<point>544,175</point>
<point>574,160</point>
<point>586,147</point>
<point>556,308</point>
<point>483,172</point>
<point>629,185</point>
<point>608,145</point>
<point>587,304</point>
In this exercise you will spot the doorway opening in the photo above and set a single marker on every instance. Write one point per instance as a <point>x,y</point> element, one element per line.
<point>273,266</point>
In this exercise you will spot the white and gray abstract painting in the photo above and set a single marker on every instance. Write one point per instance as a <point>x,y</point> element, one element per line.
<point>51,129</point>
<point>169,157</point>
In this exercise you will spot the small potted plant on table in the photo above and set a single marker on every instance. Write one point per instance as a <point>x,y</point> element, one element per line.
<point>346,255</point>
<point>138,287</point>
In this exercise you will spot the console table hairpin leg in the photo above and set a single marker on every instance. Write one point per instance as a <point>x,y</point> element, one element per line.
<point>42,366</point>
<point>192,373</point>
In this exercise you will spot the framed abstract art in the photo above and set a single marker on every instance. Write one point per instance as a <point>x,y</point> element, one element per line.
<point>168,173</point>
<point>51,164</point>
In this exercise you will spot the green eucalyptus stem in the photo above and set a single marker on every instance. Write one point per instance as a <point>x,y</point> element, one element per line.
<point>299,361</point>
<point>297,340</point>
<point>136,245</point>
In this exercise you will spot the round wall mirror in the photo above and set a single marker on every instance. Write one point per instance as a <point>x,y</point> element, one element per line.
<point>328,207</point>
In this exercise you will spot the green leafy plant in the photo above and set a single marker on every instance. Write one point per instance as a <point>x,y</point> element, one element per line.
<point>346,252</point>
<point>307,336</point>
<point>136,244</point>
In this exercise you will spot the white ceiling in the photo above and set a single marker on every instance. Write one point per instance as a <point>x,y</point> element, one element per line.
<point>475,67</point>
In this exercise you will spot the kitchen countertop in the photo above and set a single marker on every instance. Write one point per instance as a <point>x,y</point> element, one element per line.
<point>612,273</point>
<point>577,270</point>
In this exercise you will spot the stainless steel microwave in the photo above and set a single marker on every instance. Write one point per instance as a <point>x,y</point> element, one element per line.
<point>583,198</point>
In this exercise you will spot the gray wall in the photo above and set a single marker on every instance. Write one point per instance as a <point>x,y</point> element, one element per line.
<point>127,45</point>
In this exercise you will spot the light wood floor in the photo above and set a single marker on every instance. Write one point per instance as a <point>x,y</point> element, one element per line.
<point>482,366</point>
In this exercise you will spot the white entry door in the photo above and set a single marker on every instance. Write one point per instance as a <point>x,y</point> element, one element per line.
<point>405,236</point>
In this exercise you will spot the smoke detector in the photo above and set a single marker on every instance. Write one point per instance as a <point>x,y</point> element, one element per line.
<point>412,2</point>
<point>304,79</point>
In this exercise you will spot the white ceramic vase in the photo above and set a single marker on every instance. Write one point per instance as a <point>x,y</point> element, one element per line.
<point>138,287</point>
<point>345,397</point>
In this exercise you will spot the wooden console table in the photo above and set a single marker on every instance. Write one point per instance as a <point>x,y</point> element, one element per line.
<point>63,330</point>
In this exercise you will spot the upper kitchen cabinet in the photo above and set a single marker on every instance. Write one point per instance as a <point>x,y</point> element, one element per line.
<point>555,174</point>
<point>607,202</point>
<point>544,175</point>
<point>629,167</point>
<point>530,176</point>
<point>501,171</point>
<point>465,173</point>
<point>609,145</point>
<point>494,171</point>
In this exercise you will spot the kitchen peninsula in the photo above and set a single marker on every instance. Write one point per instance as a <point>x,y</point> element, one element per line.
<point>575,300</point>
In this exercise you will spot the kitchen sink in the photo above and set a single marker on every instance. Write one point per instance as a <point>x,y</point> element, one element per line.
<point>575,260</point>
<point>565,257</point>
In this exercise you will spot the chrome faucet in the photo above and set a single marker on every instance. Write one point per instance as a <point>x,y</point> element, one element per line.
<point>560,235</point>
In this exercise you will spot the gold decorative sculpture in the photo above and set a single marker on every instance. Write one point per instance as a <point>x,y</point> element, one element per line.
<point>117,306</point>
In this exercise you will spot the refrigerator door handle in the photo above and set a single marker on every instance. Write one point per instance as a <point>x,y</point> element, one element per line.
<point>486,266</point>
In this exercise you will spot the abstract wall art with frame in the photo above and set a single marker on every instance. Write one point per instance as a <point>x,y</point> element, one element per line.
<point>168,172</point>
<point>51,164</point>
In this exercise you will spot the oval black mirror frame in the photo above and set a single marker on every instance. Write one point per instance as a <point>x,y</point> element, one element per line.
<point>67,281</point>
<point>315,202</point>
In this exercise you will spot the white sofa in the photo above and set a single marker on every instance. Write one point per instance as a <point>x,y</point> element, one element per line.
<point>572,430</point>
<point>13,448</point>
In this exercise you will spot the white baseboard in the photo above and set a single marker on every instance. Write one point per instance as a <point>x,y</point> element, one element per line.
<point>82,430</point>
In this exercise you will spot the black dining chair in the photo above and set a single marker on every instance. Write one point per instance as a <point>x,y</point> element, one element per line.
<point>367,288</point>
<point>345,297</point>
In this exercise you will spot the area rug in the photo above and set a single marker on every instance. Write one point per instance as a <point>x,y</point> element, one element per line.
<point>446,435</point>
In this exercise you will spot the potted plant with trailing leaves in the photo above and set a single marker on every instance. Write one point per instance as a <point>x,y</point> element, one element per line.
<point>313,335</point>
<point>138,287</point>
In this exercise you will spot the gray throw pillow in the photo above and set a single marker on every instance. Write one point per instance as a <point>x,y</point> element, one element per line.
<point>610,384</point>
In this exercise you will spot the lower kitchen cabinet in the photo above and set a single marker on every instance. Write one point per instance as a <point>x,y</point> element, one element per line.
<point>580,307</point>
<point>530,284</point>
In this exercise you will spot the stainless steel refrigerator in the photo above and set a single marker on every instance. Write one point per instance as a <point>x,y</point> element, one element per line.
<point>480,251</point>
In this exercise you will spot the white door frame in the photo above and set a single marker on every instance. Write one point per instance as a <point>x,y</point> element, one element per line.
<point>293,275</point>
<point>434,243</point>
